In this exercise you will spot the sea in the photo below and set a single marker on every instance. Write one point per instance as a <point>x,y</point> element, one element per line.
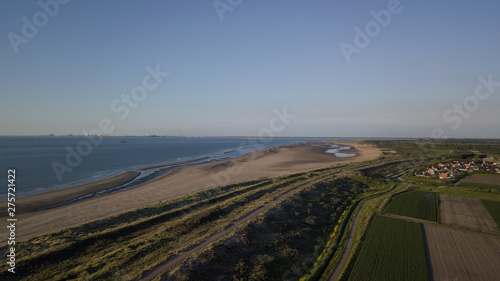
<point>46,164</point>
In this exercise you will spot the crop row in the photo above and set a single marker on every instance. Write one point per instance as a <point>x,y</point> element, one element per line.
<point>493,208</point>
<point>415,204</point>
<point>480,185</point>
<point>393,250</point>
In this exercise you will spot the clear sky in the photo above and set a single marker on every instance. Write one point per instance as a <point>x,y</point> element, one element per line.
<point>229,66</point>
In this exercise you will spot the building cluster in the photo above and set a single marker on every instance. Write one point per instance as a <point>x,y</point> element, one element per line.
<point>456,168</point>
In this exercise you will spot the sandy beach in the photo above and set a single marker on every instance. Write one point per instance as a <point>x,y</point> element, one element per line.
<point>32,203</point>
<point>270,162</point>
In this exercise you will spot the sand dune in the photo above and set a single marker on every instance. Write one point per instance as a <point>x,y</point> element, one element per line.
<point>270,162</point>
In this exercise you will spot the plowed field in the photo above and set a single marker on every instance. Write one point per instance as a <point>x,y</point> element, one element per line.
<point>462,255</point>
<point>465,212</point>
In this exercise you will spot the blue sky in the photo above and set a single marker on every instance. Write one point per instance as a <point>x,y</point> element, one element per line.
<point>226,76</point>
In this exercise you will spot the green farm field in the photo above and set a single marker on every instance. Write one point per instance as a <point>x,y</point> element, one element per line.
<point>482,181</point>
<point>485,179</point>
<point>415,204</point>
<point>493,208</point>
<point>479,185</point>
<point>393,250</point>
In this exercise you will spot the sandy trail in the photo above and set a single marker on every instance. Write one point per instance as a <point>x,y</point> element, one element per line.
<point>270,162</point>
<point>182,256</point>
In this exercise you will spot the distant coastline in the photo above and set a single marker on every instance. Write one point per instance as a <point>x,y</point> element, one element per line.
<point>130,179</point>
<point>34,157</point>
<point>194,176</point>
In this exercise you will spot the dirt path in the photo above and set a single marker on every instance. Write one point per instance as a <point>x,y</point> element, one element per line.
<point>269,162</point>
<point>166,266</point>
<point>408,218</point>
<point>347,249</point>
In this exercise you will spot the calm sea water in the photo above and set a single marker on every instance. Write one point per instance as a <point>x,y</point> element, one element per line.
<point>33,157</point>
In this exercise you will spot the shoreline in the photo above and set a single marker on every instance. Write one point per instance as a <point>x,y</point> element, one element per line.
<point>77,193</point>
<point>268,162</point>
<point>39,201</point>
<point>173,164</point>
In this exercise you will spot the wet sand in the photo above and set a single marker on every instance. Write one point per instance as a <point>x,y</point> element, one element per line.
<point>172,164</point>
<point>44,200</point>
<point>270,162</point>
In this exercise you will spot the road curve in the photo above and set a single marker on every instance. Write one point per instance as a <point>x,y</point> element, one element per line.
<point>182,256</point>
<point>347,248</point>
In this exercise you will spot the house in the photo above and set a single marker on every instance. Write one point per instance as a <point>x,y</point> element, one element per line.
<point>443,176</point>
<point>453,169</point>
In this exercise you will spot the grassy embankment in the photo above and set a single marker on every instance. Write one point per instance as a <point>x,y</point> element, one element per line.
<point>281,243</point>
<point>479,185</point>
<point>126,245</point>
<point>420,154</point>
<point>306,230</point>
<point>372,207</point>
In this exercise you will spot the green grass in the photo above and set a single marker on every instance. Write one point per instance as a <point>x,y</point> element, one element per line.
<point>393,250</point>
<point>493,208</point>
<point>479,185</point>
<point>148,236</point>
<point>415,204</point>
<point>273,243</point>
<point>464,192</point>
<point>372,208</point>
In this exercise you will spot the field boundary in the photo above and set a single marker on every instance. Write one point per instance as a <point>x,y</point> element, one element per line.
<point>460,254</point>
<point>479,185</point>
<point>490,207</point>
<point>436,223</point>
<point>466,212</point>
<point>339,266</point>
<point>400,253</point>
<point>427,253</point>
